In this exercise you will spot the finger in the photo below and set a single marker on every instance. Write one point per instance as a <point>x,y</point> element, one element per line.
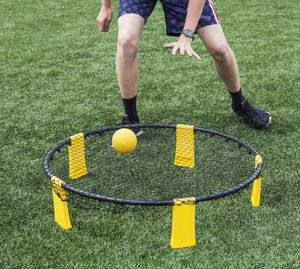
<point>174,50</point>
<point>169,46</point>
<point>103,26</point>
<point>189,52</point>
<point>107,26</point>
<point>196,56</point>
<point>108,21</point>
<point>98,22</point>
<point>182,49</point>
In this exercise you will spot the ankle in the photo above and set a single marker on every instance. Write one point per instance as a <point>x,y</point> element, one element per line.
<point>130,109</point>
<point>237,98</point>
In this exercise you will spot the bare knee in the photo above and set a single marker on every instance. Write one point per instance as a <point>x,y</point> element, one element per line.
<point>220,52</point>
<point>128,45</point>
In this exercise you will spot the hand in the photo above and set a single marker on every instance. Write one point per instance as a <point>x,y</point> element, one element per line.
<point>183,45</point>
<point>104,18</point>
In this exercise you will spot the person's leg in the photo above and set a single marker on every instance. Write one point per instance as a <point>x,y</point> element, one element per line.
<point>225,62</point>
<point>226,65</point>
<point>131,19</point>
<point>130,29</point>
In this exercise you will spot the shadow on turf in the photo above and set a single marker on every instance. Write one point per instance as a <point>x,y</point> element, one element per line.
<point>280,128</point>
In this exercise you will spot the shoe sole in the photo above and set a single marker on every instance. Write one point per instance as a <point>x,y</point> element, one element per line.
<point>269,120</point>
<point>240,117</point>
<point>140,132</point>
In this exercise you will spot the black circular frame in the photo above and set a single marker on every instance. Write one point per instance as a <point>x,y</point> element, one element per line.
<point>103,198</point>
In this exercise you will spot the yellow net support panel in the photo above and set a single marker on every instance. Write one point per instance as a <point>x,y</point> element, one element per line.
<point>255,195</point>
<point>61,211</point>
<point>77,164</point>
<point>185,146</point>
<point>183,223</point>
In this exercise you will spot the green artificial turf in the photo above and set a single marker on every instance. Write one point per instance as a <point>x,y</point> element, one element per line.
<point>57,78</point>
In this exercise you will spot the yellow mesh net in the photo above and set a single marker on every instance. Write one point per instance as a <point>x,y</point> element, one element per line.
<point>77,164</point>
<point>185,146</point>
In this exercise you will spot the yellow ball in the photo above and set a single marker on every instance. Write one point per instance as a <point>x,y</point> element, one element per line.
<point>124,140</point>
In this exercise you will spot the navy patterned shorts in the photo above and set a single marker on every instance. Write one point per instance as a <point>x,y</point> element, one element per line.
<point>175,12</point>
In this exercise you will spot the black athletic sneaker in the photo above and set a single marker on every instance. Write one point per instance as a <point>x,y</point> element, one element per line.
<point>256,117</point>
<point>138,131</point>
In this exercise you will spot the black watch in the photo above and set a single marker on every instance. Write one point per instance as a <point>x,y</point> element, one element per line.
<point>188,33</point>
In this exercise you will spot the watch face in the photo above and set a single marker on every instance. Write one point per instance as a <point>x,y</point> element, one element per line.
<point>188,33</point>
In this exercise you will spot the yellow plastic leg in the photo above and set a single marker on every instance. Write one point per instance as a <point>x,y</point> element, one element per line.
<point>61,212</point>
<point>185,146</point>
<point>183,224</point>
<point>77,165</point>
<point>255,195</point>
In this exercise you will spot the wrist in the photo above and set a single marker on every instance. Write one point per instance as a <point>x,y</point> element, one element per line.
<point>106,4</point>
<point>106,7</point>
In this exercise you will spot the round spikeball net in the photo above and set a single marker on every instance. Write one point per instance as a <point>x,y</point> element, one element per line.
<point>172,165</point>
<point>170,162</point>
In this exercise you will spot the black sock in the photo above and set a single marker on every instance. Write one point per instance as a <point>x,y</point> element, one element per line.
<point>237,98</point>
<point>130,109</point>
